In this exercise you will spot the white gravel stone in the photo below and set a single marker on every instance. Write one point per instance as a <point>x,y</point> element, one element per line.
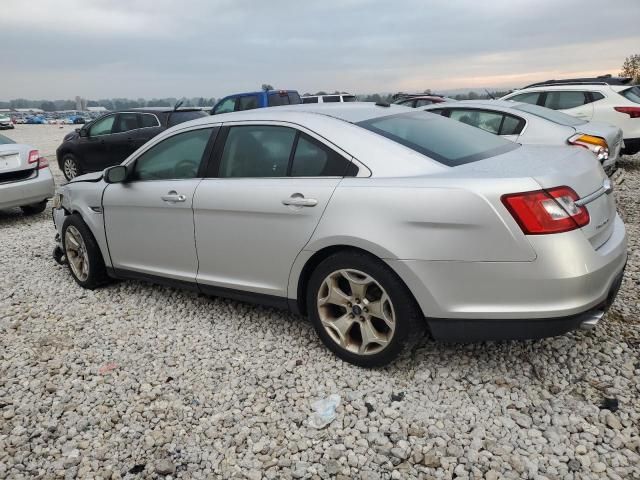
<point>211,388</point>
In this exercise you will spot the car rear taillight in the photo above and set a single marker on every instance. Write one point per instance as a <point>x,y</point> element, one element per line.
<point>633,112</point>
<point>41,162</point>
<point>597,145</point>
<point>34,155</point>
<point>546,211</point>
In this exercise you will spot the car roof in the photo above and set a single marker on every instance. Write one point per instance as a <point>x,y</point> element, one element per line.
<point>475,103</point>
<point>158,109</point>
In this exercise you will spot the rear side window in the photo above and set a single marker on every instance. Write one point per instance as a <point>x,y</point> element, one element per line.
<point>5,140</point>
<point>331,98</point>
<point>561,100</point>
<point>125,122</point>
<point>450,143</point>
<point>226,106</point>
<point>511,125</point>
<point>488,121</point>
<point>147,120</point>
<point>595,96</point>
<point>309,99</point>
<point>313,159</point>
<point>294,98</point>
<point>348,98</point>
<point>632,94</point>
<point>530,97</point>
<point>422,102</point>
<point>248,102</point>
<point>179,117</point>
<point>408,103</point>
<point>278,98</point>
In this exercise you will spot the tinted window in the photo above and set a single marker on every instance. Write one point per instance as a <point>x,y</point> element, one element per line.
<point>176,157</point>
<point>228,105</point>
<point>632,94</point>
<point>257,151</point>
<point>595,96</point>
<point>102,126</point>
<point>330,98</point>
<point>531,97</point>
<point>348,98</point>
<point>5,140</point>
<point>564,100</point>
<point>179,117</point>
<point>488,121</point>
<point>422,102</point>
<point>147,120</point>
<point>551,115</point>
<point>437,111</point>
<point>450,143</point>
<point>294,98</point>
<point>309,99</point>
<point>313,159</point>
<point>511,125</point>
<point>125,122</point>
<point>248,102</point>
<point>278,98</point>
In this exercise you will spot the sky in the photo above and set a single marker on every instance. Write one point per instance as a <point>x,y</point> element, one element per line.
<point>57,49</point>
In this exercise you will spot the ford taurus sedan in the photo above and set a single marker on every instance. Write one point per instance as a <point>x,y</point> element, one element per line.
<point>378,222</point>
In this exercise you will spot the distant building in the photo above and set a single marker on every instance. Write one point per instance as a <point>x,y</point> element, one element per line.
<point>29,110</point>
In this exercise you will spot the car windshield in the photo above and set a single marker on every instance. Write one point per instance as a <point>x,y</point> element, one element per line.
<point>551,115</point>
<point>180,117</point>
<point>450,143</point>
<point>5,141</point>
<point>632,94</point>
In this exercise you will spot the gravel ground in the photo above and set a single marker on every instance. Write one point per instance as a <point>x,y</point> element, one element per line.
<point>140,381</point>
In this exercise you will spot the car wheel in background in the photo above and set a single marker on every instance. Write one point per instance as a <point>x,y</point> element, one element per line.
<point>361,309</point>
<point>34,208</point>
<point>82,253</point>
<point>70,166</point>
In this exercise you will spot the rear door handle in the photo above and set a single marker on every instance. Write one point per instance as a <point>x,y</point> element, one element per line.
<point>300,202</point>
<point>173,197</point>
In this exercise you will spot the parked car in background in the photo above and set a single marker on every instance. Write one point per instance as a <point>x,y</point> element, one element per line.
<point>604,99</point>
<point>415,101</point>
<point>35,120</point>
<point>534,125</point>
<point>300,207</point>
<point>25,178</point>
<point>329,98</point>
<point>250,100</point>
<point>111,138</point>
<point>5,122</point>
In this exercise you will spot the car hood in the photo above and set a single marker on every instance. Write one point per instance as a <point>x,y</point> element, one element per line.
<point>88,177</point>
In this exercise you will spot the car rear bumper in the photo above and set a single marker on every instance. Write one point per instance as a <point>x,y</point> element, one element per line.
<point>553,293</point>
<point>27,192</point>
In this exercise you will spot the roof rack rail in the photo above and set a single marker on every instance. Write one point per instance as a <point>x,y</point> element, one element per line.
<point>396,96</point>
<point>601,80</point>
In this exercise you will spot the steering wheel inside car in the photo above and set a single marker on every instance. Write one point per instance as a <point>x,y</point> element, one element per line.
<point>186,169</point>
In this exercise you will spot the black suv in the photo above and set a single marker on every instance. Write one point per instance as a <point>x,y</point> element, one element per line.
<point>110,139</point>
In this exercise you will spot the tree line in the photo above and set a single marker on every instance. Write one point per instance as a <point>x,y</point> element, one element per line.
<point>108,103</point>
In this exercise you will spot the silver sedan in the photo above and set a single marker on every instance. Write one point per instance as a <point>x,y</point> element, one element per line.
<point>378,222</point>
<point>25,178</point>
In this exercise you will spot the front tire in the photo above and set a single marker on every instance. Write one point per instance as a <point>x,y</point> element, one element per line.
<point>34,208</point>
<point>361,310</point>
<point>70,166</point>
<point>82,253</point>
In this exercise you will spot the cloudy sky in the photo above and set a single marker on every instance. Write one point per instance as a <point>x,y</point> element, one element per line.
<point>160,48</point>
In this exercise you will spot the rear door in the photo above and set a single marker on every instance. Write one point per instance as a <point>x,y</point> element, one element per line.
<point>94,150</point>
<point>123,139</point>
<point>268,190</point>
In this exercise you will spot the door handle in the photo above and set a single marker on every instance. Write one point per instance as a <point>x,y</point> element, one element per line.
<point>297,200</point>
<point>173,197</point>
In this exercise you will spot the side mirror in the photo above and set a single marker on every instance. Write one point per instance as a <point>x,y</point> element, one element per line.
<point>115,174</point>
<point>84,132</point>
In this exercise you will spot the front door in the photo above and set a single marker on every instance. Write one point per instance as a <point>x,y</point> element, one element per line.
<point>272,187</point>
<point>149,218</point>
<point>94,149</point>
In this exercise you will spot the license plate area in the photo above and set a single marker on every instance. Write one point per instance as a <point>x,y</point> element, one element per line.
<point>8,162</point>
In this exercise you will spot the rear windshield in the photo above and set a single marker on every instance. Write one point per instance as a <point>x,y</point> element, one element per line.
<point>632,94</point>
<point>5,141</point>
<point>294,98</point>
<point>448,142</point>
<point>551,115</point>
<point>278,98</point>
<point>179,117</point>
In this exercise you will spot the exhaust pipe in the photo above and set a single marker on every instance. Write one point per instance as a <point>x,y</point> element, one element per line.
<point>592,320</point>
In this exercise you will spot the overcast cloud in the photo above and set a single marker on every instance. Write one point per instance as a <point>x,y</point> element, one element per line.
<point>160,48</point>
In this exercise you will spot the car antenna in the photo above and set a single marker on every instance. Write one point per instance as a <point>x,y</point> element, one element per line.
<point>490,95</point>
<point>178,105</point>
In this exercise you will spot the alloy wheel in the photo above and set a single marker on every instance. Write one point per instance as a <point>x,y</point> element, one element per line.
<point>70,168</point>
<point>76,252</point>
<point>356,311</point>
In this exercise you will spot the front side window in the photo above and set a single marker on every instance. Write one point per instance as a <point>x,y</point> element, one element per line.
<point>331,98</point>
<point>177,157</point>
<point>102,126</point>
<point>530,97</point>
<point>312,159</point>
<point>309,99</point>
<point>449,143</point>
<point>488,121</point>
<point>561,100</point>
<point>248,102</point>
<point>257,151</point>
<point>125,122</point>
<point>226,106</point>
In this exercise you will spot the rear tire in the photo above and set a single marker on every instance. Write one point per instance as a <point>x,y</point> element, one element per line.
<point>34,208</point>
<point>70,166</point>
<point>82,253</point>
<point>361,310</point>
